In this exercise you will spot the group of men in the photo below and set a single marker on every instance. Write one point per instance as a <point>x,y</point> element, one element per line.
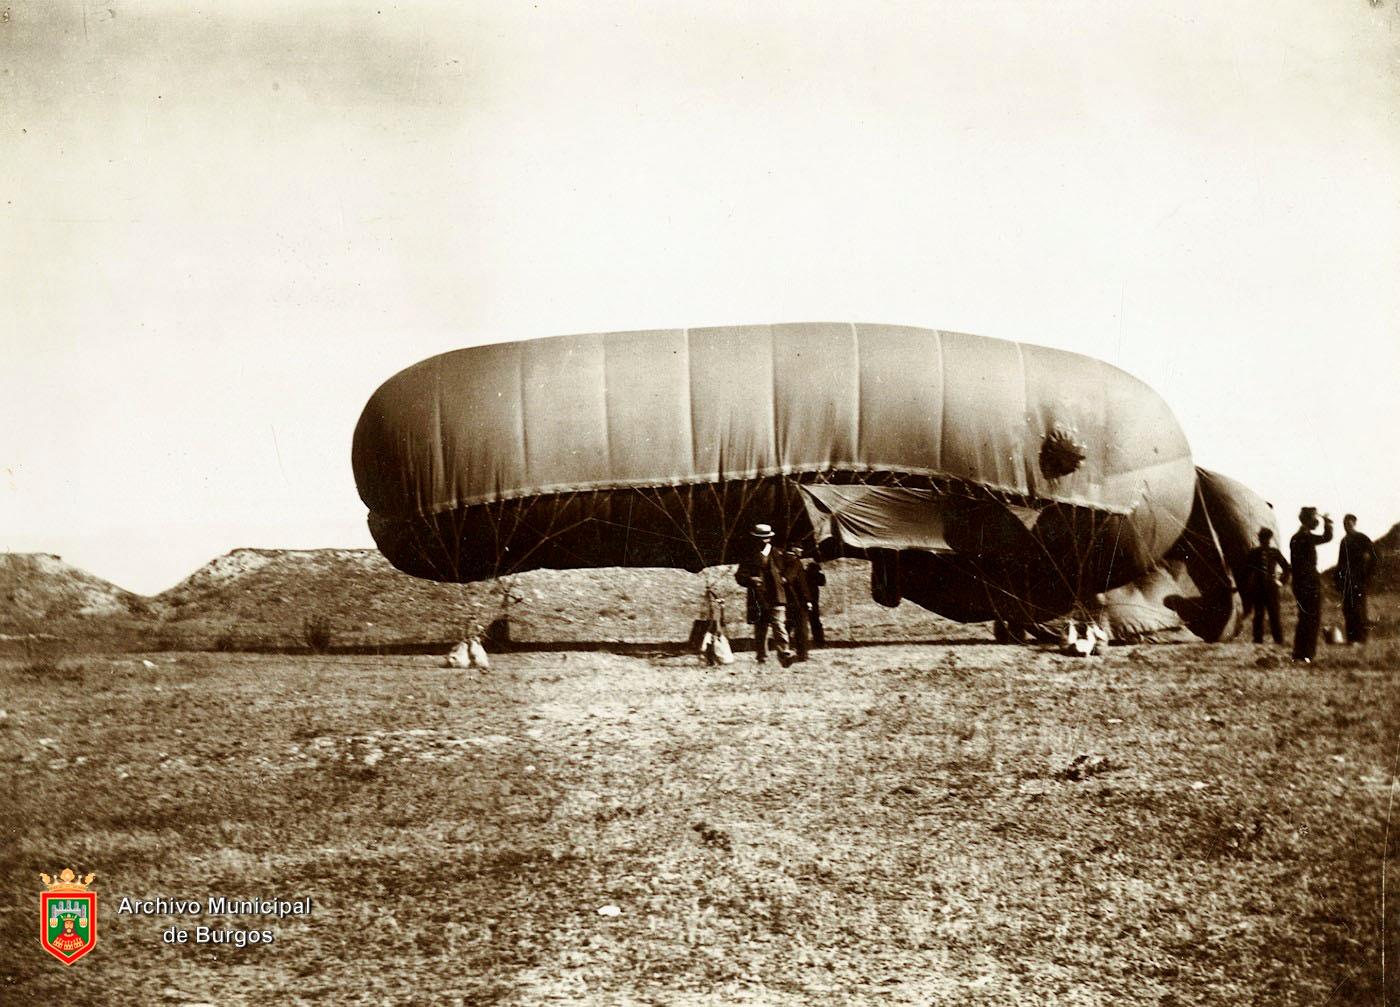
<point>784,590</point>
<point>1267,569</point>
<point>784,598</point>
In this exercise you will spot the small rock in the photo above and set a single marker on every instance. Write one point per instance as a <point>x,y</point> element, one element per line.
<point>713,837</point>
<point>1084,766</point>
<point>609,911</point>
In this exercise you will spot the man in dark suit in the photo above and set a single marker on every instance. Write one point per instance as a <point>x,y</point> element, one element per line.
<point>799,604</point>
<point>1262,567</point>
<point>1307,583</point>
<point>1356,561</point>
<point>762,574</point>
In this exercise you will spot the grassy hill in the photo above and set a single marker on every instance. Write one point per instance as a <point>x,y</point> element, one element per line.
<point>265,595</point>
<point>1388,574</point>
<point>39,589</point>
<point>266,598</point>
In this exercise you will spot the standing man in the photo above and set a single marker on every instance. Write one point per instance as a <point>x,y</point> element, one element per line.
<point>1356,561</point>
<point>1307,584</point>
<point>762,574</point>
<point>799,605</point>
<point>1262,566</point>
<point>815,581</point>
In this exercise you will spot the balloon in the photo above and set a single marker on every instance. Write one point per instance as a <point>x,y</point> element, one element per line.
<point>1195,586</point>
<point>979,475</point>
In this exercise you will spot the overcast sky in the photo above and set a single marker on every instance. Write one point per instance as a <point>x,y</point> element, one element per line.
<point>224,225</point>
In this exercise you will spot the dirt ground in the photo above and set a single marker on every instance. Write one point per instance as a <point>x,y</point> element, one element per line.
<point>1184,824</point>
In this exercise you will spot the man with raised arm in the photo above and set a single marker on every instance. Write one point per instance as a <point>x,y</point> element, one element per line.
<point>1307,583</point>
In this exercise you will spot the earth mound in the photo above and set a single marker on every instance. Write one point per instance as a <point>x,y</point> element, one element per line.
<point>253,596</point>
<point>1387,575</point>
<point>269,593</point>
<point>38,589</point>
<point>1388,572</point>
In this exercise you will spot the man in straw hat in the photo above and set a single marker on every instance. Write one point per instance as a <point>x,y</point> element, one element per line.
<point>762,575</point>
<point>1307,583</point>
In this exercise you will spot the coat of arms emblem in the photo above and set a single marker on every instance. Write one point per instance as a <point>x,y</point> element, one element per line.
<point>68,916</point>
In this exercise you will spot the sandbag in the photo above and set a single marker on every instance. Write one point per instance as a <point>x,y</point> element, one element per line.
<point>468,654</point>
<point>724,654</point>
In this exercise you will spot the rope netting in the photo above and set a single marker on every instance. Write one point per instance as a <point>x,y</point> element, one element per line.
<point>1012,551</point>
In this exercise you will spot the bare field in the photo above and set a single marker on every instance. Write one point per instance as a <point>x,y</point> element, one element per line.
<point>902,824</point>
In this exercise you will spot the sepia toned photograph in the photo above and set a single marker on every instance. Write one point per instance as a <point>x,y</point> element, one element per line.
<point>701,503</point>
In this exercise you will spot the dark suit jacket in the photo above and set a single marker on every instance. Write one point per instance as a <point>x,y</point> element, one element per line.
<point>1356,561</point>
<point>763,576</point>
<point>1261,569</point>
<point>1303,548</point>
<point>795,580</point>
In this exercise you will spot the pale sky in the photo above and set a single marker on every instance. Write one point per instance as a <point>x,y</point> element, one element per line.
<point>225,224</point>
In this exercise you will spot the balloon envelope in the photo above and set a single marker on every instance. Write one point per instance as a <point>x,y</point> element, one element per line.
<point>1013,464</point>
<point>1195,586</point>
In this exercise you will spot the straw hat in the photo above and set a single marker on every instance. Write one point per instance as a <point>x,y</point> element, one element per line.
<point>763,531</point>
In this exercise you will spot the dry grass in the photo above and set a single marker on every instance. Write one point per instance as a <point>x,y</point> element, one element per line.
<point>893,824</point>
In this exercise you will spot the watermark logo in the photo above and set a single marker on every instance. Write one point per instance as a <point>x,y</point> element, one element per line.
<point>68,916</point>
